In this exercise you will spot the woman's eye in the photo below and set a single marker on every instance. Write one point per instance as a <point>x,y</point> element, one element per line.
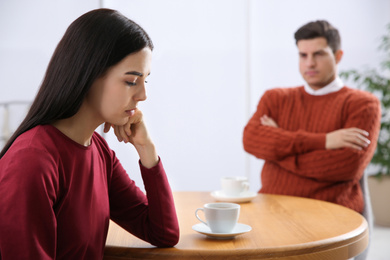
<point>130,83</point>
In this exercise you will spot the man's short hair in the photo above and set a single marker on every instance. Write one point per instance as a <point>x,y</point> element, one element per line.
<point>319,28</point>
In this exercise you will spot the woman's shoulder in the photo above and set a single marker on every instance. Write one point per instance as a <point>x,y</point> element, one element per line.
<point>101,144</point>
<point>99,140</point>
<point>37,138</point>
<point>42,141</point>
<point>35,143</point>
<point>31,153</point>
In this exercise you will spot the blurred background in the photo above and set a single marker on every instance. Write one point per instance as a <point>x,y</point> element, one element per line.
<point>213,59</point>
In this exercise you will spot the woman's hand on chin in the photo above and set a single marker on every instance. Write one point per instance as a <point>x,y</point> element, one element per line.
<point>135,132</point>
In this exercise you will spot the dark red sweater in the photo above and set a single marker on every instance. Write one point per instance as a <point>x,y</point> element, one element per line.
<point>296,161</point>
<point>57,196</point>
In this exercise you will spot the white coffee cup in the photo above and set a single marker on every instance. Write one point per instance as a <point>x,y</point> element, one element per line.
<point>234,186</point>
<point>220,217</point>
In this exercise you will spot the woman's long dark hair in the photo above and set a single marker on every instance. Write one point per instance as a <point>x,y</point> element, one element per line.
<point>93,43</point>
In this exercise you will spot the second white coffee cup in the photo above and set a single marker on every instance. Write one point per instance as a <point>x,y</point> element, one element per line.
<point>234,186</point>
<point>220,217</point>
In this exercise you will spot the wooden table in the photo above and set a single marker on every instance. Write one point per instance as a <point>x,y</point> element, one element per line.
<point>283,227</point>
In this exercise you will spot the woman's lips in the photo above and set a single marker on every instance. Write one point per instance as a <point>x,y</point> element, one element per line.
<point>130,112</point>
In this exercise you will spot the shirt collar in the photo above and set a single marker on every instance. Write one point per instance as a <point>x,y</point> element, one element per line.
<point>334,86</point>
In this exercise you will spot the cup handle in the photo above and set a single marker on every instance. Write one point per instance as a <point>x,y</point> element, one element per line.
<point>246,186</point>
<point>196,215</point>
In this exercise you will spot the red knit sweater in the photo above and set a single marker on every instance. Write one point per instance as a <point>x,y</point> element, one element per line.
<point>296,161</point>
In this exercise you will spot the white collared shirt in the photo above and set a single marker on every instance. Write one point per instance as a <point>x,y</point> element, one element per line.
<point>334,86</point>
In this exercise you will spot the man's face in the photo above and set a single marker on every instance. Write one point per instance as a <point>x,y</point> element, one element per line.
<point>317,62</point>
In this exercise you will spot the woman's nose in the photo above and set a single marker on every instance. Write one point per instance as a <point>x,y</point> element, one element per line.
<point>141,94</point>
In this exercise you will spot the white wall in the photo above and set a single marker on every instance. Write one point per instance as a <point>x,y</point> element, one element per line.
<point>29,33</point>
<point>212,61</point>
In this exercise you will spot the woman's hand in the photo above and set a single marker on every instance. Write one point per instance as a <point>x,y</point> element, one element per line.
<point>135,132</point>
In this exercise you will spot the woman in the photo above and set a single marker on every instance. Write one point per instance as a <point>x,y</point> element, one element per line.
<point>60,183</point>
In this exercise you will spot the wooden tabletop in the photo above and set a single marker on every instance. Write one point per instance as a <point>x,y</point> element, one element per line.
<point>283,227</point>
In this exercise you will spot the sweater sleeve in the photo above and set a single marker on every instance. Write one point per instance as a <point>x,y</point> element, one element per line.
<point>341,164</point>
<point>270,143</point>
<point>151,217</point>
<point>28,185</point>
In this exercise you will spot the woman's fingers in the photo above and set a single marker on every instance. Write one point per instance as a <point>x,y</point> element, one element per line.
<point>124,132</point>
<point>107,127</point>
<point>127,128</point>
<point>121,134</point>
<point>116,132</point>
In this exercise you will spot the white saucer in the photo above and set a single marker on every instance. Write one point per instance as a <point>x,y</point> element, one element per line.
<point>238,230</point>
<point>244,197</point>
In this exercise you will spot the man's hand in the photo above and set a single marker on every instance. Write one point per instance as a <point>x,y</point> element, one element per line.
<point>268,121</point>
<point>354,138</point>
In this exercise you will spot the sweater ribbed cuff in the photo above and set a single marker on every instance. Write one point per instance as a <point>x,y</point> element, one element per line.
<point>315,142</point>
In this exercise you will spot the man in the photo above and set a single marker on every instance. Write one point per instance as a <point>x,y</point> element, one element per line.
<point>316,139</point>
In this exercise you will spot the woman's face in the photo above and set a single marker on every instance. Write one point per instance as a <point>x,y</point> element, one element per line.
<point>114,95</point>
